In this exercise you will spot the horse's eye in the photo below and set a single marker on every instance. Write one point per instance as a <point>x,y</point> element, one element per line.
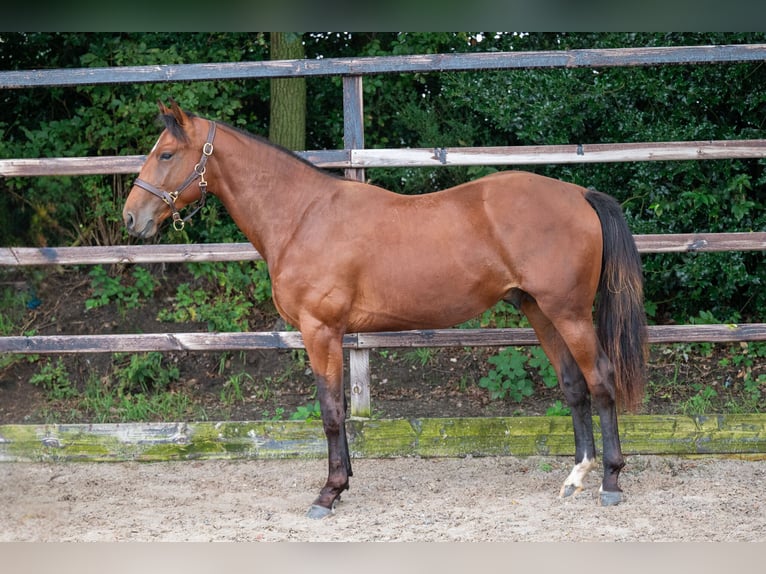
<point>166,155</point>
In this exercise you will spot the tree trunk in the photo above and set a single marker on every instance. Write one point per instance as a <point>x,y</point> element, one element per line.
<point>287,126</point>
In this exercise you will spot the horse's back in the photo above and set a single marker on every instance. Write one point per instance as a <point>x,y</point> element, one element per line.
<point>441,258</point>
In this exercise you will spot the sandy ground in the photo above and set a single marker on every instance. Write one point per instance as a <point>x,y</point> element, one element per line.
<point>467,499</point>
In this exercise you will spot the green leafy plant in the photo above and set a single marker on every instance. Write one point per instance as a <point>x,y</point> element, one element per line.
<point>110,403</point>
<point>422,355</point>
<point>13,305</point>
<point>277,416</point>
<point>227,312</point>
<point>558,409</point>
<point>145,372</point>
<point>539,361</point>
<point>108,288</point>
<point>510,375</point>
<point>701,402</point>
<point>749,360</point>
<point>54,379</point>
<point>308,412</point>
<point>545,466</point>
<point>232,389</point>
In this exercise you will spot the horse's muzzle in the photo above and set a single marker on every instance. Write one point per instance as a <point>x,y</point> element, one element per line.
<point>139,229</point>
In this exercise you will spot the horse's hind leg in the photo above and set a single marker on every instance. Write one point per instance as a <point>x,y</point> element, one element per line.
<point>580,337</point>
<point>575,391</point>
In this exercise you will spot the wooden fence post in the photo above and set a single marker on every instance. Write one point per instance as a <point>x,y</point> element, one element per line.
<point>353,138</point>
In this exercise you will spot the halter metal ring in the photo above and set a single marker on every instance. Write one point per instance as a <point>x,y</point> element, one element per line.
<point>178,222</point>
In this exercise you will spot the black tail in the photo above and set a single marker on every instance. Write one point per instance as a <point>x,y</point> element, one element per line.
<point>620,315</point>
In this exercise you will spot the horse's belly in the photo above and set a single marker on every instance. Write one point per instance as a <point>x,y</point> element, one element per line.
<point>422,301</point>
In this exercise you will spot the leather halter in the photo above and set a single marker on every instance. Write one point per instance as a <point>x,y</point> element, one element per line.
<point>198,173</point>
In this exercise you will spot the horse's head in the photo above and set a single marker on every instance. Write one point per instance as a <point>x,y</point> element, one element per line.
<point>173,175</point>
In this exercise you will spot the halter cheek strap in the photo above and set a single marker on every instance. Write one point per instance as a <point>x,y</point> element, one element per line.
<point>197,173</point>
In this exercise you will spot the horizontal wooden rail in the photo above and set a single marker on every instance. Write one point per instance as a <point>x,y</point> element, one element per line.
<point>558,154</point>
<point>161,253</point>
<point>428,157</point>
<point>209,342</point>
<point>185,253</point>
<point>421,63</point>
<point>741,435</point>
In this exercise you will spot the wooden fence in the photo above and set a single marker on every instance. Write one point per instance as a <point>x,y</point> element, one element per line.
<point>355,159</point>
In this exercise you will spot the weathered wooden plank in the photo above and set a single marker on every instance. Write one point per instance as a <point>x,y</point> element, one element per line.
<point>521,337</point>
<point>71,165</point>
<point>698,242</point>
<point>182,253</point>
<point>520,436</point>
<point>447,338</point>
<point>95,165</point>
<point>353,137</point>
<point>551,154</point>
<point>168,253</point>
<point>357,158</point>
<point>703,434</point>
<point>424,63</point>
<point>727,333</point>
<point>207,342</point>
<point>428,437</point>
<point>133,343</point>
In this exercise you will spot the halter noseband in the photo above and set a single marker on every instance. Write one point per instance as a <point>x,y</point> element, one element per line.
<point>199,172</point>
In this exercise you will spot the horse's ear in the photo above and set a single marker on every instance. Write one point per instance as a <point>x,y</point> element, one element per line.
<point>178,113</point>
<point>164,110</point>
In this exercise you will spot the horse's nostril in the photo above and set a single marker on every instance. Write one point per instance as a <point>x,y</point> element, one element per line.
<point>129,221</point>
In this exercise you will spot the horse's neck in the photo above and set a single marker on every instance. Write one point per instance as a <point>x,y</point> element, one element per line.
<point>266,191</point>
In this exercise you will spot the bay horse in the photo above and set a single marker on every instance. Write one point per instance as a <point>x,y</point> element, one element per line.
<point>346,256</point>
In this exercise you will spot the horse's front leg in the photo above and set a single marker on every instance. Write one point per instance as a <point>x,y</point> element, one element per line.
<point>325,350</point>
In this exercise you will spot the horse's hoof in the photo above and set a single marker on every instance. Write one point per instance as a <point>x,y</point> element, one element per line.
<point>610,498</point>
<point>569,490</point>
<point>318,512</point>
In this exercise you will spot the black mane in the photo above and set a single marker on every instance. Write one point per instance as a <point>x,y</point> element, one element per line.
<point>270,143</point>
<point>177,131</point>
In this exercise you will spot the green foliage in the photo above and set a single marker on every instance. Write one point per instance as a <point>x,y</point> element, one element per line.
<point>422,355</point>
<point>309,412</point>
<point>11,308</point>
<point>701,402</point>
<point>558,409</point>
<point>232,390</point>
<point>221,314</point>
<point>502,315</point>
<point>237,276</point>
<point>108,288</point>
<point>145,372</point>
<point>104,403</point>
<point>545,466</point>
<point>510,376</point>
<point>14,304</point>
<point>226,299</point>
<point>749,361</point>
<point>54,380</point>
